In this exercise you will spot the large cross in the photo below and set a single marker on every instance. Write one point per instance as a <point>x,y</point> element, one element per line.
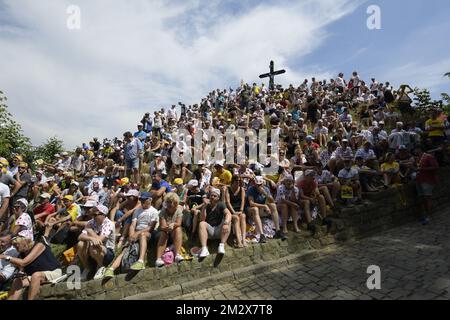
<point>271,75</point>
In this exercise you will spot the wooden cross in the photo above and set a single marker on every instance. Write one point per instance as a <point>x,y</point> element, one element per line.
<point>271,75</point>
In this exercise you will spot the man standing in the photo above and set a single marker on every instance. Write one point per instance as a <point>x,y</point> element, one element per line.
<point>132,150</point>
<point>425,181</point>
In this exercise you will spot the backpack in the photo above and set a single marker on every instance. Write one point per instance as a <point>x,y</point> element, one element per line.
<point>130,256</point>
<point>168,257</point>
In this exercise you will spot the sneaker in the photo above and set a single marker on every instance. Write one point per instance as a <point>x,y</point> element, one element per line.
<point>280,235</point>
<point>159,263</point>
<point>100,273</point>
<point>262,238</point>
<point>179,258</point>
<point>109,273</point>
<point>204,253</point>
<point>137,266</point>
<point>221,249</point>
<point>85,274</point>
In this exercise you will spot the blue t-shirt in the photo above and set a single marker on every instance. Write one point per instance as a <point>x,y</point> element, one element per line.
<point>257,197</point>
<point>163,183</point>
<point>295,115</point>
<point>141,135</point>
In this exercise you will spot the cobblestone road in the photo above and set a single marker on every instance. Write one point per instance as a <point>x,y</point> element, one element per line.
<point>414,262</point>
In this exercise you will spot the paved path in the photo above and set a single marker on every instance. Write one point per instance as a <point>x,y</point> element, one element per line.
<point>414,262</point>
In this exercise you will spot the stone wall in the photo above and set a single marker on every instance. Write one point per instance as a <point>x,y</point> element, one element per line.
<point>381,211</point>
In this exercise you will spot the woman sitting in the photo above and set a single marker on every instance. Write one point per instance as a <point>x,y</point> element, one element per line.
<point>390,170</point>
<point>38,263</point>
<point>235,201</point>
<point>170,219</point>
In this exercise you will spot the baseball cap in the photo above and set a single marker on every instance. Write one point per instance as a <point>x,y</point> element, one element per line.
<point>219,163</point>
<point>68,197</point>
<point>192,183</point>
<point>145,195</point>
<point>178,181</point>
<point>285,163</point>
<point>259,180</point>
<point>310,138</point>
<point>102,209</point>
<point>45,195</point>
<point>75,183</point>
<point>90,204</point>
<point>402,147</point>
<point>132,193</point>
<point>22,201</point>
<point>215,191</point>
<point>344,140</point>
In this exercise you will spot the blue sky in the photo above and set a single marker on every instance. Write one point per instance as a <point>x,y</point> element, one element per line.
<point>130,57</point>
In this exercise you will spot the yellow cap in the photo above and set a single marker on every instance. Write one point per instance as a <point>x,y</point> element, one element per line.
<point>68,197</point>
<point>178,181</point>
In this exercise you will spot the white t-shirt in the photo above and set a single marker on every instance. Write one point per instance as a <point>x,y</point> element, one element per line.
<point>7,269</point>
<point>348,174</point>
<point>322,130</point>
<point>144,218</point>
<point>4,192</point>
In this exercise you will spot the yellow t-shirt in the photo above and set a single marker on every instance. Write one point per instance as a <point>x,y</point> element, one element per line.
<point>225,177</point>
<point>390,166</point>
<point>73,211</point>
<point>435,123</point>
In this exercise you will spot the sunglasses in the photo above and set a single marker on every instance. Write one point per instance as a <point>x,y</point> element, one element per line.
<point>22,168</point>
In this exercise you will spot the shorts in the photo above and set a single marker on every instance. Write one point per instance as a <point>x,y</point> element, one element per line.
<point>424,189</point>
<point>53,275</point>
<point>109,257</point>
<point>120,214</point>
<point>132,163</point>
<point>214,232</point>
<point>438,140</point>
<point>50,275</point>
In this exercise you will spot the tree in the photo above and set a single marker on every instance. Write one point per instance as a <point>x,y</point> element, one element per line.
<point>12,139</point>
<point>48,150</point>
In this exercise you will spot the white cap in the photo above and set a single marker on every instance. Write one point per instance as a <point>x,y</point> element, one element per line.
<point>192,183</point>
<point>45,195</point>
<point>132,193</point>
<point>90,204</point>
<point>201,162</point>
<point>75,183</point>
<point>64,153</point>
<point>215,191</point>
<point>259,180</point>
<point>219,163</point>
<point>101,208</point>
<point>22,201</point>
<point>285,163</point>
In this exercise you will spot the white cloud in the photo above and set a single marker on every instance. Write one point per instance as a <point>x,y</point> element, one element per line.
<point>136,56</point>
<point>423,75</point>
